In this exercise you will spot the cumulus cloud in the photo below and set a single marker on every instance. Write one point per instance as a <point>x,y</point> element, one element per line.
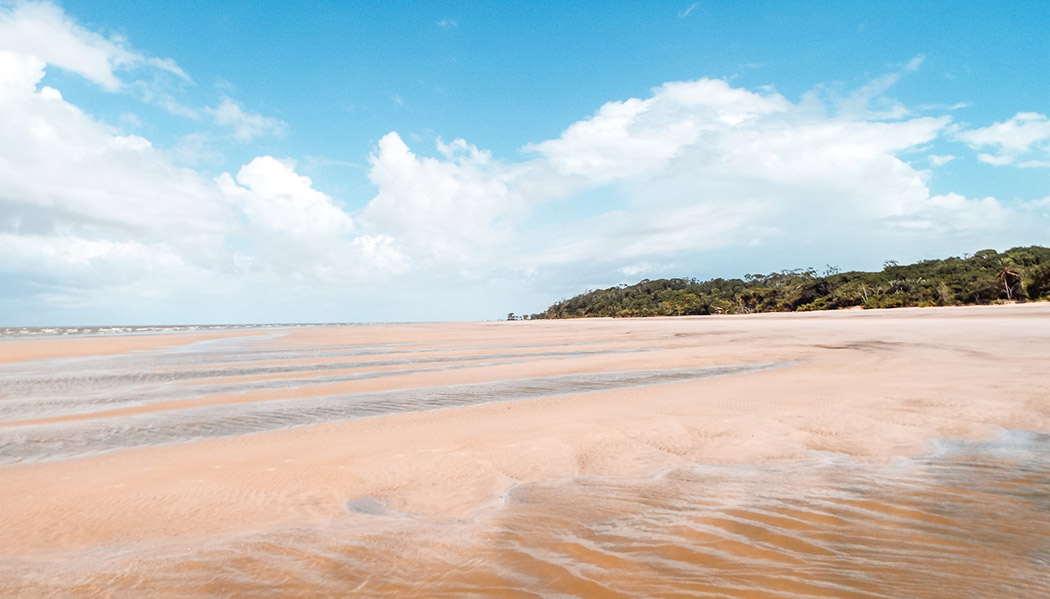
<point>633,137</point>
<point>245,125</point>
<point>292,229</point>
<point>272,196</point>
<point>90,217</point>
<point>62,170</point>
<point>697,166</point>
<point>446,208</point>
<point>1026,134</point>
<point>86,211</point>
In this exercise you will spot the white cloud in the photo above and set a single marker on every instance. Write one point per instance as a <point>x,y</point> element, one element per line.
<point>696,167</point>
<point>381,252</point>
<point>707,165</point>
<point>1041,205</point>
<point>448,23</point>
<point>634,137</point>
<point>42,30</point>
<point>999,160</point>
<point>445,208</point>
<point>62,170</point>
<point>291,230</point>
<point>245,125</point>
<point>953,214</point>
<point>633,270</point>
<point>940,159</point>
<point>1023,134</point>
<point>91,218</point>
<point>75,262</point>
<point>274,198</point>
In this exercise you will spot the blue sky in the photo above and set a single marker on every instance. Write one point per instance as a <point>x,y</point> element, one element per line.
<point>283,162</point>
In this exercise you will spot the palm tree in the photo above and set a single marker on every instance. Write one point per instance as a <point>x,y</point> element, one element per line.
<point>1009,276</point>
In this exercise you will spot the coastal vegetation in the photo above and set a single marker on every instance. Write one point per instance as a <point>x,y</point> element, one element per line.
<point>987,276</point>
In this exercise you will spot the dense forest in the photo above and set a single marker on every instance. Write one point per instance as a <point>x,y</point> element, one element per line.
<point>986,277</point>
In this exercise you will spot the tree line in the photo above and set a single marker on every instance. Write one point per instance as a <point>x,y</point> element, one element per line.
<point>986,277</point>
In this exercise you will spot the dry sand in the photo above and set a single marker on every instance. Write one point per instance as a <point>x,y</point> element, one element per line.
<point>868,385</point>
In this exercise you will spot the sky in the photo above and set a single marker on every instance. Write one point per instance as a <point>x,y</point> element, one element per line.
<point>277,162</point>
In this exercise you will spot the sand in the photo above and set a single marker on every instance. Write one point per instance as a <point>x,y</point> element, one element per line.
<point>868,386</point>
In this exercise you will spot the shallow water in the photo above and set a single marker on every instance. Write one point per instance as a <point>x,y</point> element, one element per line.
<point>967,520</point>
<point>64,440</point>
<point>62,387</point>
<point>39,397</point>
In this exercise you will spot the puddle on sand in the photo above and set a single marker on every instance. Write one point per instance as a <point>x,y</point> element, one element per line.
<point>968,520</point>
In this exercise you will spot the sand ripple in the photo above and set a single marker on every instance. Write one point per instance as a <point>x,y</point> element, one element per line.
<point>968,520</point>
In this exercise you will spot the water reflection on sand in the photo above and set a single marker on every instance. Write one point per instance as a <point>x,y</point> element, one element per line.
<point>49,405</point>
<point>968,520</point>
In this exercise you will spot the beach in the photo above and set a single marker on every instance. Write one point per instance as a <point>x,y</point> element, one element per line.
<point>859,453</point>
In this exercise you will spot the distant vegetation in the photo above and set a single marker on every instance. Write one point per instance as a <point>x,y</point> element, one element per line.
<point>986,277</point>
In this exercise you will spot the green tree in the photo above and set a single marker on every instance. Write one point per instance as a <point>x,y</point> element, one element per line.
<point>984,277</point>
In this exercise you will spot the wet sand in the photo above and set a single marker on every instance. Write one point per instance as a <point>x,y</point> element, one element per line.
<point>768,455</point>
